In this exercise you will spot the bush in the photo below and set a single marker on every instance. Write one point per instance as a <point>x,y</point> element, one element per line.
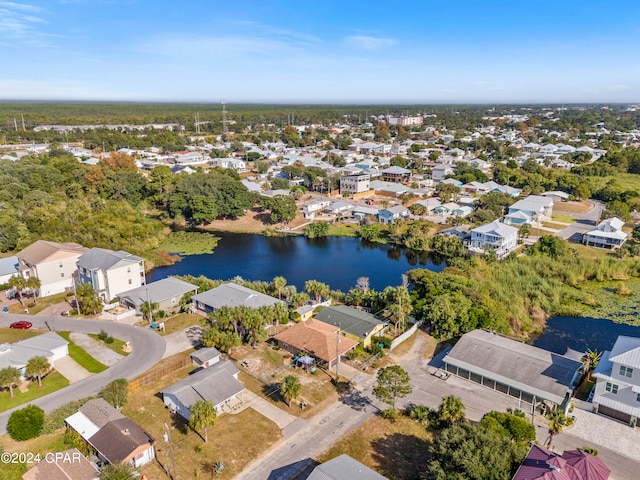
<point>55,418</point>
<point>109,339</point>
<point>385,341</point>
<point>26,423</point>
<point>376,349</point>
<point>390,414</point>
<point>103,335</point>
<point>116,392</point>
<point>420,413</point>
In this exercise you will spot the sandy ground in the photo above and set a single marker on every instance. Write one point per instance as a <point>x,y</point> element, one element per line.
<point>254,222</point>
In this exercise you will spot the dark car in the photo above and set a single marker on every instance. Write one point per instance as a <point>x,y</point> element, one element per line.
<point>21,324</point>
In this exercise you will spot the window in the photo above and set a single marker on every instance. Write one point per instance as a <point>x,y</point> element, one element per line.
<point>611,387</point>
<point>60,265</point>
<point>62,275</point>
<point>637,397</point>
<point>626,371</point>
<point>128,269</point>
<point>130,281</point>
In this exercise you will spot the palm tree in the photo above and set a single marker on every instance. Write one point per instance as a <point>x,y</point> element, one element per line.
<point>9,376</point>
<point>451,409</point>
<point>317,289</point>
<point>557,421</point>
<point>19,283</point>
<point>398,304</point>
<point>34,284</point>
<point>279,283</point>
<point>148,310</point>
<point>203,414</point>
<point>592,357</point>
<point>38,367</point>
<point>290,388</point>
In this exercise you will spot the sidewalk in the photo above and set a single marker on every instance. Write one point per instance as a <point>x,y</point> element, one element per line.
<point>94,348</point>
<point>260,405</point>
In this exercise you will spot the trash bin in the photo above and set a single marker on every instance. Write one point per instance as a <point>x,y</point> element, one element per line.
<point>5,309</point>
<point>153,325</point>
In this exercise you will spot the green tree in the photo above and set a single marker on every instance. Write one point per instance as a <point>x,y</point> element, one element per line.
<point>26,423</point>
<point>370,233</point>
<point>472,452</point>
<point>549,245</point>
<point>116,392</point>
<point>448,315</point>
<point>316,230</point>
<point>119,471</point>
<point>290,388</point>
<point>9,376</point>
<point>202,415</point>
<point>317,289</point>
<point>451,410</point>
<point>37,367</point>
<point>279,283</point>
<point>148,310</point>
<point>34,284</point>
<point>510,424</point>
<point>90,303</point>
<point>392,383</point>
<point>557,421</point>
<point>524,231</point>
<point>283,208</point>
<point>591,360</point>
<point>19,283</point>
<point>398,304</point>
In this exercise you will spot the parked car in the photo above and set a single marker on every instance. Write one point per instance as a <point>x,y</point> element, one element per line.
<point>64,313</point>
<point>11,293</point>
<point>21,324</point>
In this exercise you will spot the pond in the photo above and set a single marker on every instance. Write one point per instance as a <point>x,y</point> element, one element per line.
<point>337,261</point>
<point>580,333</point>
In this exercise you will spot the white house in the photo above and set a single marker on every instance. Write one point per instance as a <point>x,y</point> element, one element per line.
<point>234,163</point>
<point>494,236</point>
<point>608,234</point>
<point>440,172</point>
<point>391,214</point>
<point>54,264</point>
<point>49,345</point>
<point>8,268</point>
<point>311,208</point>
<point>110,272</point>
<point>528,210</point>
<point>355,184</point>
<point>617,392</point>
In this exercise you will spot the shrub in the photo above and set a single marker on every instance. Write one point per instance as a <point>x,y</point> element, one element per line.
<point>385,341</point>
<point>390,414</point>
<point>116,392</point>
<point>103,335</point>
<point>420,413</point>
<point>55,418</point>
<point>26,423</point>
<point>109,339</point>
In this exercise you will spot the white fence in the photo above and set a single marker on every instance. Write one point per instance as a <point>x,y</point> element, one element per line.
<point>398,340</point>
<point>116,316</point>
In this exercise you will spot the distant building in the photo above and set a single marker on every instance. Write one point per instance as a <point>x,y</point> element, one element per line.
<point>494,236</point>
<point>355,184</point>
<point>405,120</point>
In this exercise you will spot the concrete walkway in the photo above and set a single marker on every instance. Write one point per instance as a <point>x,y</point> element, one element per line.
<point>183,340</point>
<point>71,370</point>
<point>94,348</point>
<point>273,413</point>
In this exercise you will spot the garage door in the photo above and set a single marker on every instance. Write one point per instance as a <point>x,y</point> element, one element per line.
<point>610,412</point>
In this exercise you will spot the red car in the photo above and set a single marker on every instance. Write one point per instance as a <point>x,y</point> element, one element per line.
<point>21,324</point>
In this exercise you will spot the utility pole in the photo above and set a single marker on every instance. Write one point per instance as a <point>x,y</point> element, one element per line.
<point>337,355</point>
<point>167,438</point>
<point>149,305</point>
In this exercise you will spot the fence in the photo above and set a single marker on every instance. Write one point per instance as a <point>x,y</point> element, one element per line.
<point>398,340</point>
<point>119,315</point>
<point>582,405</point>
<point>158,372</point>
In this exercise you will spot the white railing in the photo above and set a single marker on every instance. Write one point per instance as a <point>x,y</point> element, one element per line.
<point>398,340</point>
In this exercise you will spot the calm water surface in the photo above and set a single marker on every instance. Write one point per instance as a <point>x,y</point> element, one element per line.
<point>337,261</point>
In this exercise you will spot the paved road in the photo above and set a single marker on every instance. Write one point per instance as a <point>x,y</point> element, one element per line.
<point>148,349</point>
<point>585,221</point>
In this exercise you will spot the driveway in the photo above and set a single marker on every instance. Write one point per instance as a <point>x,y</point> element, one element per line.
<point>262,406</point>
<point>182,340</point>
<point>584,221</point>
<point>97,350</point>
<point>147,349</point>
<point>71,370</point>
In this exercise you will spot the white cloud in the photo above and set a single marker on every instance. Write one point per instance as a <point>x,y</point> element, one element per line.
<point>367,42</point>
<point>18,21</point>
<point>618,88</point>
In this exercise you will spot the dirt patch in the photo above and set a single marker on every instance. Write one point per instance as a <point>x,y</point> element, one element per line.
<point>576,206</point>
<point>255,221</point>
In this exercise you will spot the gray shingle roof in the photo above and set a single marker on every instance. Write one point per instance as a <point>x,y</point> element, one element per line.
<point>215,383</point>
<point>532,369</point>
<point>351,320</point>
<point>100,412</point>
<point>344,468</point>
<point>158,291</point>
<point>104,259</point>
<point>233,295</point>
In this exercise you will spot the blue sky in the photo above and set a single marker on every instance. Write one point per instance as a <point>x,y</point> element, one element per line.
<point>415,51</point>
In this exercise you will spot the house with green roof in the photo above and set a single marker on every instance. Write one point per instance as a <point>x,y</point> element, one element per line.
<point>356,324</point>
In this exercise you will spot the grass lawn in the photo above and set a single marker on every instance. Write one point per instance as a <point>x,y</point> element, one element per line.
<point>82,357</point>
<point>590,252</point>
<point>52,382</point>
<point>12,335</point>
<point>236,439</point>
<point>557,217</point>
<point>42,444</point>
<point>343,230</point>
<point>553,225</point>
<point>116,345</point>
<point>180,322</point>
<point>396,450</point>
<point>586,389</point>
<point>39,306</point>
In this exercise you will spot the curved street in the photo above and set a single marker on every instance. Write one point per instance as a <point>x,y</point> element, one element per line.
<point>147,349</point>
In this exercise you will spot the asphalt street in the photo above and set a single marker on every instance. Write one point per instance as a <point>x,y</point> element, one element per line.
<point>147,349</point>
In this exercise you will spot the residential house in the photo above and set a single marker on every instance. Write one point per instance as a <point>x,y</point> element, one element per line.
<point>452,181</point>
<point>356,324</point>
<point>528,210</point>
<point>494,236</point>
<point>429,203</point>
<point>49,345</point>
<point>116,438</point>
<point>542,464</point>
<point>608,234</point>
<point>344,467</point>
<point>109,272</point>
<point>232,295</point>
<point>391,214</point>
<point>355,184</point>
<point>446,209</point>
<point>366,165</point>
<point>511,191</point>
<point>440,172</point>
<point>617,392</point>
<point>311,208</point>
<point>166,293</point>
<point>396,174</point>
<point>217,383</point>
<point>360,212</point>
<point>69,464</point>
<point>528,373</point>
<point>190,158</point>
<point>317,339</point>
<point>234,163</point>
<point>54,264</point>
<point>8,268</point>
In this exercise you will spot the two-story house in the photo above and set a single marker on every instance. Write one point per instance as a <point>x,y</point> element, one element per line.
<point>54,264</point>
<point>109,272</point>
<point>617,392</point>
<point>494,236</point>
<point>391,214</point>
<point>355,184</point>
<point>608,234</point>
<point>528,210</point>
